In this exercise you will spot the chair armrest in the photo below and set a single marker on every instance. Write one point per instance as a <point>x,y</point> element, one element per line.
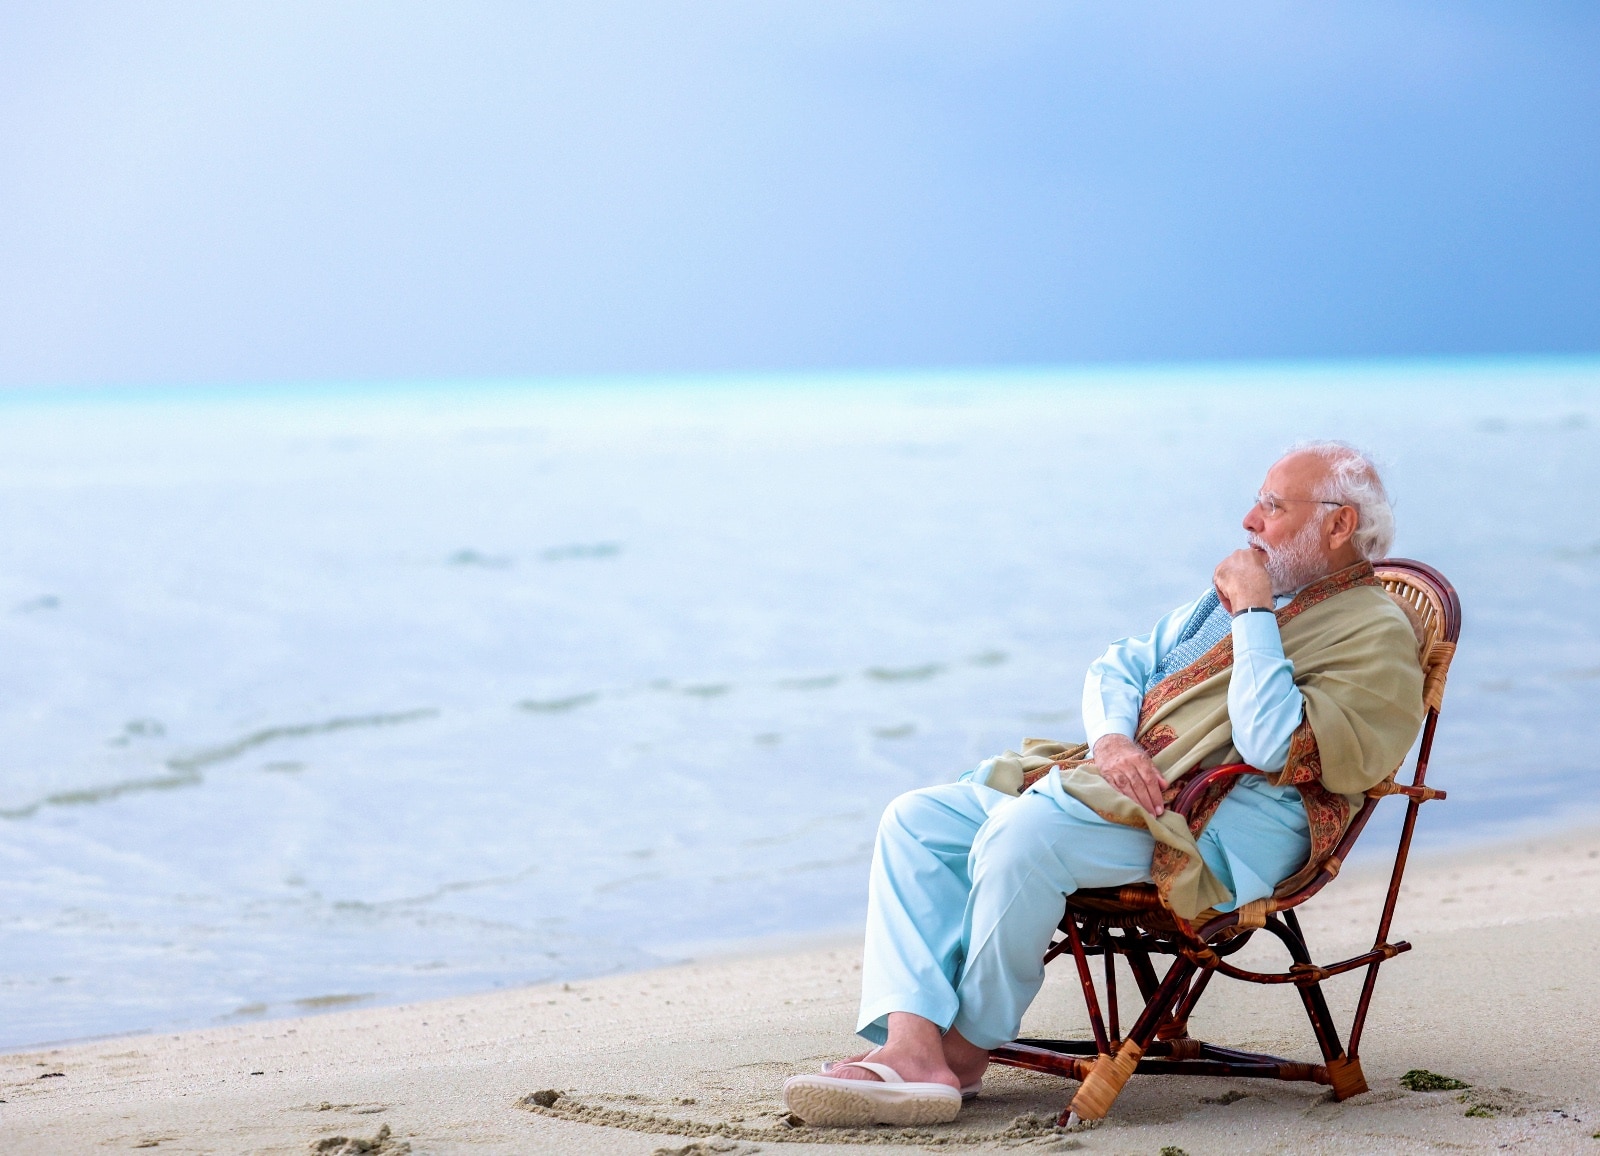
<point>1191,792</point>
<point>1420,794</point>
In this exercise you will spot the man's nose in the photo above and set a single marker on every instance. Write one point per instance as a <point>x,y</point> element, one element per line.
<point>1253,521</point>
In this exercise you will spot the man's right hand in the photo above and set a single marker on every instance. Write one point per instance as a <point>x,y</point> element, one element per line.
<point>1123,763</point>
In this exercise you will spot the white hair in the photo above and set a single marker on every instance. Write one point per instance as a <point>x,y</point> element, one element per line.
<point>1353,481</point>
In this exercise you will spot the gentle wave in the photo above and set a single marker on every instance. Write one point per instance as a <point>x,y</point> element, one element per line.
<point>188,767</point>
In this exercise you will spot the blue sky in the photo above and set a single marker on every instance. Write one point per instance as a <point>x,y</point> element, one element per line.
<point>199,192</point>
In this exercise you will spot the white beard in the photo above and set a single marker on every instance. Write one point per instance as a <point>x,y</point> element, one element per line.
<point>1298,562</point>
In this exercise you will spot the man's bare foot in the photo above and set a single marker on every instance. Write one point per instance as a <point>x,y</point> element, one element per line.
<point>914,1066</point>
<point>827,1068</point>
<point>965,1059</point>
<point>915,1052</point>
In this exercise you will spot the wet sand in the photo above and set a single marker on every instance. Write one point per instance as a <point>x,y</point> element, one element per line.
<point>1499,993</point>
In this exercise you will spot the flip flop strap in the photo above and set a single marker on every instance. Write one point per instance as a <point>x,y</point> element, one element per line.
<point>883,1071</point>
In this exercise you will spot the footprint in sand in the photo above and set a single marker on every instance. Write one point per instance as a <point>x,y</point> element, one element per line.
<point>383,1144</point>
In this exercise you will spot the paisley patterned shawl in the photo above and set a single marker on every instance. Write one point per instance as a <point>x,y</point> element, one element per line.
<point>1355,661</point>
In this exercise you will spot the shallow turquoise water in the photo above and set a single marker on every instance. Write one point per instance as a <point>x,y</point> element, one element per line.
<point>387,693</point>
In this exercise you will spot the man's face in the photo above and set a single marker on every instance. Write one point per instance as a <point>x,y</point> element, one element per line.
<point>1288,525</point>
<point>1294,481</point>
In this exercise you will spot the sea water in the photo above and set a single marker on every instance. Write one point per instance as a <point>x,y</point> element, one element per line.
<point>312,697</point>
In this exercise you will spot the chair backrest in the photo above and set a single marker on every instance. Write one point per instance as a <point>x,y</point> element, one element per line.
<point>1430,602</point>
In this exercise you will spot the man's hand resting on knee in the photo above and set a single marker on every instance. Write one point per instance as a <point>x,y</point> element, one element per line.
<point>1123,763</point>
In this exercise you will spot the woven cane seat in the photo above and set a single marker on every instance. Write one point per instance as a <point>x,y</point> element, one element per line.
<point>1133,902</point>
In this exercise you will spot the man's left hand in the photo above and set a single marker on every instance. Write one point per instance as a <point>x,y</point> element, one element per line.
<point>1241,579</point>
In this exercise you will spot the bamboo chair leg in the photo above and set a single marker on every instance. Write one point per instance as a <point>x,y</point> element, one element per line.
<point>1344,1071</point>
<point>1090,1000</point>
<point>1106,1079</point>
<point>1177,1027</point>
<point>1386,920</point>
<point>1114,1024</point>
<point>1144,973</point>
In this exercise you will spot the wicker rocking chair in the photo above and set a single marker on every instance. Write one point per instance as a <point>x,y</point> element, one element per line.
<point>1130,922</point>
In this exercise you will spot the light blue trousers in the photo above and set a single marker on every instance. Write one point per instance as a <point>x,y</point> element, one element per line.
<point>968,886</point>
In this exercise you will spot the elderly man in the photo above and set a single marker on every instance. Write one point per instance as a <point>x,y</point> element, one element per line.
<point>1294,662</point>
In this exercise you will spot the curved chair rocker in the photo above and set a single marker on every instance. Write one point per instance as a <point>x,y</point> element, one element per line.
<point>1131,922</point>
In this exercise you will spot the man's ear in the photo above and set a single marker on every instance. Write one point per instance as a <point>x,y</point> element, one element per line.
<point>1342,526</point>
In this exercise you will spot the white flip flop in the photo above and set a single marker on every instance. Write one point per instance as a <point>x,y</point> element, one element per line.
<point>835,1102</point>
<point>968,1091</point>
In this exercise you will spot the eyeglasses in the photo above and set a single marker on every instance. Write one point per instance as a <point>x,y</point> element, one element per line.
<point>1271,505</point>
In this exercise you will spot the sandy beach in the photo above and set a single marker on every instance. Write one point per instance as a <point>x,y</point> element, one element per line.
<point>1499,993</point>
<point>499,500</point>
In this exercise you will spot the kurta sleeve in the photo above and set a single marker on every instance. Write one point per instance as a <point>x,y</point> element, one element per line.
<point>1264,705</point>
<point>1113,689</point>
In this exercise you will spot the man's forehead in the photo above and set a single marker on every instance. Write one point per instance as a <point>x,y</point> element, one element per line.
<point>1300,468</point>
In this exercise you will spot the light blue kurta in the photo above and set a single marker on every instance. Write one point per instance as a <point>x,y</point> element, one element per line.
<point>967,883</point>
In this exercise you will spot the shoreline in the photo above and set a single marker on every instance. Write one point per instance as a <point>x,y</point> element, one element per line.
<point>709,951</point>
<point>699,952</point>
<point>1489,995</point>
